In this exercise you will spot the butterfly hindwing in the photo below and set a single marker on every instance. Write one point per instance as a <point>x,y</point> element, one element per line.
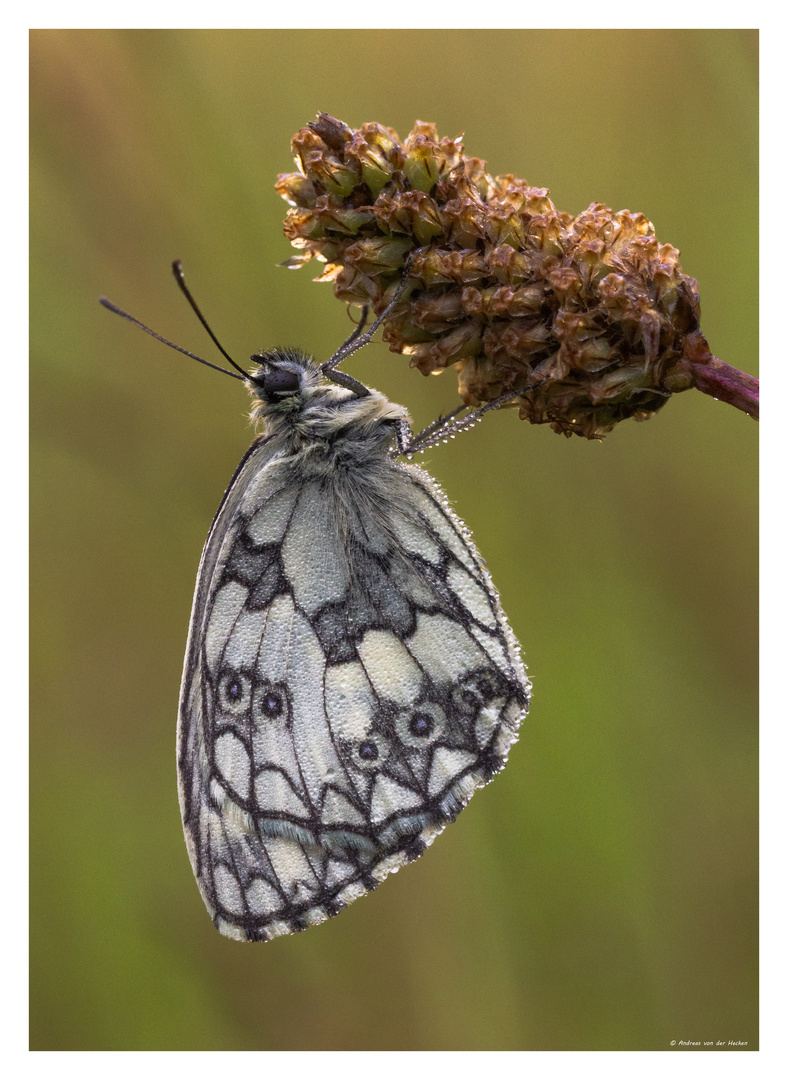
<point>350,680</point>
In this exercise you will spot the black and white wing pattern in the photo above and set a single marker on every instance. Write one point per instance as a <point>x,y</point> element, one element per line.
<point>350,677</point>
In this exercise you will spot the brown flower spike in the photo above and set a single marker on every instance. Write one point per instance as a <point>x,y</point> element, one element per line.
<point>584,321</point>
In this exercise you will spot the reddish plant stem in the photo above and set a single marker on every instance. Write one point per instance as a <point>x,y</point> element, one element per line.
<point>718,379</point>
<point>727,383</point>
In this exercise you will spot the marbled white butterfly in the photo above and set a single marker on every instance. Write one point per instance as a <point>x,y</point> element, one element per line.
<point>350,678</point>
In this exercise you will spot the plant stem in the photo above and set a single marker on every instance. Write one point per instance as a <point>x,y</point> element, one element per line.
<point>718,379</point>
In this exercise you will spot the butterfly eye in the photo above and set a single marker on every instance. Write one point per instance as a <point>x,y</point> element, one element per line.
<point>281,381</point>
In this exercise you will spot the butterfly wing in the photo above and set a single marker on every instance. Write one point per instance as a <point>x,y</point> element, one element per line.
<point>350,680</point>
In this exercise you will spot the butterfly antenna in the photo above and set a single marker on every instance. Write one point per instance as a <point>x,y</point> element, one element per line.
<point>119,311</point>
<point>177,269</point>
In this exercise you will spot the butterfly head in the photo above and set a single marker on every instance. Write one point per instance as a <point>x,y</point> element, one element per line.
<point>298,398</point>
<point>282,379</point>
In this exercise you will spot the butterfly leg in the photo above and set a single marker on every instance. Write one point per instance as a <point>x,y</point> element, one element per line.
<point>404,436</point>
<point>439,422</point>
<point>446,427</point>
<point>362,322</point>
<point>406,439</point>
<point>358,340</point>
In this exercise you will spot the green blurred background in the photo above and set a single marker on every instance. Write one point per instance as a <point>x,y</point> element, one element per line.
<point>601,894</point>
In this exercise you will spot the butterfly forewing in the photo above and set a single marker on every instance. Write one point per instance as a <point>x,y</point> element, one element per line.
<point>350,677</point>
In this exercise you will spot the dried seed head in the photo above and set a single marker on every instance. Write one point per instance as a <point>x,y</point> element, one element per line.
<point>589,318</point>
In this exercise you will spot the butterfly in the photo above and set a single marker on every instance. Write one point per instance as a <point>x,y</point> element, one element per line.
<point>350,678</point>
